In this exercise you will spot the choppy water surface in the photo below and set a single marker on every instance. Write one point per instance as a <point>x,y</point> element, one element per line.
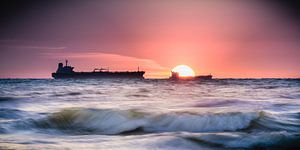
<point>149,114</point>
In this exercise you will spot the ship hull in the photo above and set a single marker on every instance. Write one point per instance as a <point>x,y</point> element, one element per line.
<point>87,75</point>
<point>205,77</point>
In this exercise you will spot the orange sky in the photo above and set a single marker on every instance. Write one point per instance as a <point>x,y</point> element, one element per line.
<point>238,39</point>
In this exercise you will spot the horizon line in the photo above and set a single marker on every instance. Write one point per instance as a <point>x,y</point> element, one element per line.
<point>167,78</point>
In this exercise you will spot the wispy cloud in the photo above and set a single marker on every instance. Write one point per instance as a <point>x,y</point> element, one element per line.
<point>21,44</point>
<point>35,47</point>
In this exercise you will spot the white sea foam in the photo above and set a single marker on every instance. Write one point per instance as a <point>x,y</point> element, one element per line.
<point>202,123</point>
<point>116,121</point>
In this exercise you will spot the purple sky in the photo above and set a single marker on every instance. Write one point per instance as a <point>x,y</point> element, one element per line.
<point>226,38</point>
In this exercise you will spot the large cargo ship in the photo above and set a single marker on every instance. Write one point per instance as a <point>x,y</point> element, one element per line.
<point>68,72</point>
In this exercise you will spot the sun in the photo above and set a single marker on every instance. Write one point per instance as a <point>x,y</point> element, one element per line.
<point>184,71</point>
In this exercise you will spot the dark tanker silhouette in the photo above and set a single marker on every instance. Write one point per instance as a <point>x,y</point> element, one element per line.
<point>175,75</point>
<point>68,72</point>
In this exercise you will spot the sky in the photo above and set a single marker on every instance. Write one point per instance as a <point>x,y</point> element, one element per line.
<point>229,39</point>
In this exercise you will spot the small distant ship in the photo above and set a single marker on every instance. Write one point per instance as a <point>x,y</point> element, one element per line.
<point>68,72</point>
<point>175,75</point>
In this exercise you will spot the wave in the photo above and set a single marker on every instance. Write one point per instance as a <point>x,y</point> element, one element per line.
<point>8,99</point>
<point>111,121</point>
<point>260,140</point>
<point>279,122</point>
<point>202,122</point>
<point>137,95</point>
<point>104,121</point>
<point>290,96</point>
<point>67,94</point>
<point>6,113</point>
<point>217,103</point>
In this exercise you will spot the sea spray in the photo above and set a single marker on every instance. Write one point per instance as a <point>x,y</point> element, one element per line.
<point>112,121</point>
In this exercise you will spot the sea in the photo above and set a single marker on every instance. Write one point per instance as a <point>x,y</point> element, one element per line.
<point>147,114</point>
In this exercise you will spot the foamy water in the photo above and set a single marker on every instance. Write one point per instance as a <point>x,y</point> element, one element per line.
<point>149,114</point>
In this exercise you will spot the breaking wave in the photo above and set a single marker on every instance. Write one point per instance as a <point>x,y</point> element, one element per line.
<point>280,122</point>
<point>104,121</point>
<point>110,121</point>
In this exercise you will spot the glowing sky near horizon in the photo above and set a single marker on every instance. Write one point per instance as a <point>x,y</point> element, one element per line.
<point>225,38</point>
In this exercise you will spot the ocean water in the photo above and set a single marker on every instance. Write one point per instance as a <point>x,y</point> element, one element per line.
<point>149,114</point>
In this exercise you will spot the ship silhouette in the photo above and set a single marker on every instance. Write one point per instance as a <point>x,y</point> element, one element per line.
<point>175,75</point>
<point>68,72</point>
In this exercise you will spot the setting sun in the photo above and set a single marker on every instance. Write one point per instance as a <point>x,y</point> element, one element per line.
<point>184,71</point>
